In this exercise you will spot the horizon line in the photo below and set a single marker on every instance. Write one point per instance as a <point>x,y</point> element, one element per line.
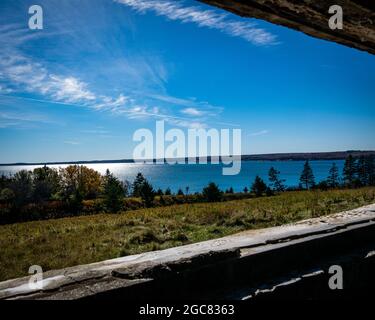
<point>244,157</point>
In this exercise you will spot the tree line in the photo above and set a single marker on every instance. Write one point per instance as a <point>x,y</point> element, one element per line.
<point>69,187</point>
<point>357,172</point>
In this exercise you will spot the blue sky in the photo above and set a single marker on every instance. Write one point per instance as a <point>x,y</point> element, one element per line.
<point>101,69</point>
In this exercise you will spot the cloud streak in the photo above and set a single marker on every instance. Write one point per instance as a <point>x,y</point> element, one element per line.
<point>259,133</point>
<point>24,75</point>
<point>204,18</point>
<point>20,73</point>
<point>21,120</point>
<point>72,142</point>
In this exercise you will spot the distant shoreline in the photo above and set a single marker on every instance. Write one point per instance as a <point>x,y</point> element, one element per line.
<point>336,155</point>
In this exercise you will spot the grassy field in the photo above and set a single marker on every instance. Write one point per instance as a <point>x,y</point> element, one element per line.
<point>66,242</point>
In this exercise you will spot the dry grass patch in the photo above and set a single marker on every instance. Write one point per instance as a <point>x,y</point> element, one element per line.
<point>66,242</point>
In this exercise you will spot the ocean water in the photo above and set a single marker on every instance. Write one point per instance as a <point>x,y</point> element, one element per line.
<point>197,176</point>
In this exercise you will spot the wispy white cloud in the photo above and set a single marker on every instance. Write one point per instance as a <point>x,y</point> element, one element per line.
<point>96,131</point>
<point>16,119</point>
<point>69,89</point>
<point>20,73</point>
<point>72,142</point>
<point>259,133</point>
<point>192,112</point>
<point>177,11</point>
<point>192,108</point>
<point>26,75</point>
<point>23,73</point>
<point>188,103</point>
<point>4,90</point>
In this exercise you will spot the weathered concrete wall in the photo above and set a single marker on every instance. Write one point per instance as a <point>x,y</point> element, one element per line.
<point>246,265</point>
<point>311,17</point>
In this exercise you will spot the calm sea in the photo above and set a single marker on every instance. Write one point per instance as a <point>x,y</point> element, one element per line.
<point>197,176</point>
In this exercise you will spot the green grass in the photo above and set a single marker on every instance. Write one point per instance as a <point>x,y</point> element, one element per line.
<point>66,242</point>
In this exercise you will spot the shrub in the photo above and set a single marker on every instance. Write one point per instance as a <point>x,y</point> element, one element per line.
<point>93,206</point>
<point>7,195</point>
<point>132,203</point>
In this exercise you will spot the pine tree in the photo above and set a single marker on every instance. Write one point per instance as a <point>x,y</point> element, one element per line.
<point>147,193</point>
<point>333,179</point>
<point>277,184</point>
<point>113,192</point>
<point>258,186</point>
<point>143,189</point>
<point>370,164</point>
<point>137,184</point>
<point>349,171</point>
<point>362,171</point>
<point>212,192</point>
<point>307,178</point>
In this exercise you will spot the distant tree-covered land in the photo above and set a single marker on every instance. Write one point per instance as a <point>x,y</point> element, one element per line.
<point>336,155</point>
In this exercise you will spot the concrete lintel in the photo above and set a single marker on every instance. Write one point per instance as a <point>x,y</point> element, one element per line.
<point>311,17</point>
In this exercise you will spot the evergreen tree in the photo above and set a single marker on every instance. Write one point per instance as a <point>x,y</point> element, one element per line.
<point>277,184</point>
<point>22,187</point>
<point>362,171</point>
<point>349,171</point>
<point>113,192</point>
<point>180,192</point>
<point>168,191</point>
<point>370,164</point>
<point>307,178</point>
<point>212,192</point>
<point>333,179</point>
<point>137,184</point>
<point>147,193</point>
<point>159,192</point>
<point>258,186</point>
<point>143,189</point>
<point>245,190</point>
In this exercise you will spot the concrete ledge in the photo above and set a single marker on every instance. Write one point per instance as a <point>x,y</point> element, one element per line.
<point>311,17</point>
<point>214,268</point>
